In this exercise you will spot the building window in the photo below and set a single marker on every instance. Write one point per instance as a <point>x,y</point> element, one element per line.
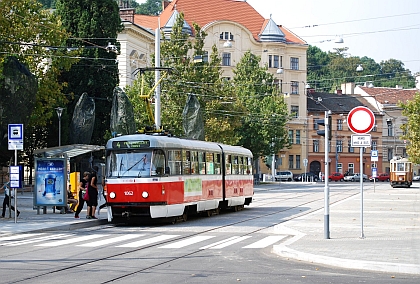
<point>339,124</point>
<point>294,88</point>
<point>390,154</point>
<point>390,127</point>
<point>206,56</point>
<point>290,161</point>
<point>294,111</point>
<point>226,59</point>
<point>340,167</point>
<point>226,36</point>
<point>374,145</point>
<point>329,146</point>
<point>297,161</point>
<point>316,146</point>
<point>340,146</point>
<point>273,61</point>
<point>294,63</point>
<point>290,136</point>
<point>351,168</point>
<point>297,136</point>
<point>375,128</point>
<point>316,126</point>
<point>351,149</point>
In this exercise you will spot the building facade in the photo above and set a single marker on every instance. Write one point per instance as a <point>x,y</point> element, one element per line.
<point>234,27</point>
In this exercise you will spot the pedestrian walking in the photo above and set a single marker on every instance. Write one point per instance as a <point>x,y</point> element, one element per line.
<point>93,194</point>
<point>82,190</point>
<point>7,198</point>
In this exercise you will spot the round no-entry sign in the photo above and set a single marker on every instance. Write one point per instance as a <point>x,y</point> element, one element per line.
<point>361,120</point>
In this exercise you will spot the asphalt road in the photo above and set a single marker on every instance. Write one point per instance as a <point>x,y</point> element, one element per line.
<point>231,247</point>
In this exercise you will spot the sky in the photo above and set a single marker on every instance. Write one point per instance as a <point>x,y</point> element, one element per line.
<point>378,29</point>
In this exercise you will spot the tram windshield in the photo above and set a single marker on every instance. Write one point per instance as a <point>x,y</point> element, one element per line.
<point>136,163</point>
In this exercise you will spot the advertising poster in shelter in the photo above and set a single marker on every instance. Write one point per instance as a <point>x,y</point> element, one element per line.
<point>50,182</point>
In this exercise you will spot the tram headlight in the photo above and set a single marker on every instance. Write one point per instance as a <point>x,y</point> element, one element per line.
<point>112,195</point>
<point>145,194</point>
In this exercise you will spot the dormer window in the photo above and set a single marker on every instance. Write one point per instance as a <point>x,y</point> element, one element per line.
<point>226,36</point>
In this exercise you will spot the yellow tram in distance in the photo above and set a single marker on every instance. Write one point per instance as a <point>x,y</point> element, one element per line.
<point>401,172</point>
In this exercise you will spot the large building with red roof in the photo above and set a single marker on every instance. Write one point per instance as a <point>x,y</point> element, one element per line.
<point>235,27</point>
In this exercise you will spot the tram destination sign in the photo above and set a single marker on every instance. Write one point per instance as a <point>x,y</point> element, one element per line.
<point>361,140</point>
<point>135,144</point>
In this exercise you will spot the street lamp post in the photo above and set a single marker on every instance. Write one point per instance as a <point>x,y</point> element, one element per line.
<point>59,113</point>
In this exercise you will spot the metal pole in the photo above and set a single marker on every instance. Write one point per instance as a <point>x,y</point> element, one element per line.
<point>157,78</point>
<point>59,131</point>
<point>362,236</point>
<point>14,189</point>
<point>326,187</point>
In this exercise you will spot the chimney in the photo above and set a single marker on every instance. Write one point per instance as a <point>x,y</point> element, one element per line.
<point>398,87</point>
<point>127,14</point>
<point>165,4</point>
<point>311,91</point>
<point>418,82</point>
<point>339,92</point>
<point>348,88</point>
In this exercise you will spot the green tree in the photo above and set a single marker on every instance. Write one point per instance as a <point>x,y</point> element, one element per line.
<point>393,73</point>
<point>150,7</point>
<point>411,110</point>
<point>36,38</point>
<point>93,25</point>
<point>263,126</point>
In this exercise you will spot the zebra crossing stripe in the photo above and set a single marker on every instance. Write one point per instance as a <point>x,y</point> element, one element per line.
<point>16,237</point>
<point>188,242</point>
<point>70,241</point>
<point>37,240</point>
<point>265,242</point>
<point>148,241</point>
<point>111,241</point>
<point>225,243</point>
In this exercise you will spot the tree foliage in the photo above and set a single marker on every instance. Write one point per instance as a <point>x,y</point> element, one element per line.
<point>328,70</point>
<point>411,109</point>
<point>150,7</point>
<point>93,25</point>
<point>263,123</point>
<point>36,38</point>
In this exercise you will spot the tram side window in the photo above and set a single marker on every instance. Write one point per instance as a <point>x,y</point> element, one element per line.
<point>194,163</point>
<point>210,163</point>
<point>174,162</point>
<point>158,163</point>
<point>186,162</point>
<point>249,165</point>
<point>228,166</point>
<point>235,166</point>
<point>202,163</point>
<point>241,166</point>
<point>217,164</point>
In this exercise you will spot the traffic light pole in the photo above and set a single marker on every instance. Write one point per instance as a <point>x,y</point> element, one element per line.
<point>326,187</point>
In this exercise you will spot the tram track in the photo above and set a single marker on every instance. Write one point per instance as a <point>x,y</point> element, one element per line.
<point>337,196</point>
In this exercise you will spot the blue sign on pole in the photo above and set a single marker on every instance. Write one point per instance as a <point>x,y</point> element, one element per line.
<point>374,172</point>
<point>15,136</point>
<point>15,180</point>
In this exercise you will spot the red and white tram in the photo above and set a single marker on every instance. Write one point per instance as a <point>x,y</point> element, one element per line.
<point>157,176</point>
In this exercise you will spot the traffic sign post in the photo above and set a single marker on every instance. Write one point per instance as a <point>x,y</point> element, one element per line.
<point>361,121</point>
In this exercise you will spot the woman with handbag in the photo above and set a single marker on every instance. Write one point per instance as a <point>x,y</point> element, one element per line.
<point>92,203</point>
<point>7,195</point>
<point>82,191</point>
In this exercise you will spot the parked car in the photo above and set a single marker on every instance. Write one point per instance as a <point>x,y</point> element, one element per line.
<point>336,177</point>
<point>310,176</point>
<point>380,177</point>
<point>355,177</point>
<point>284,176</point>
<point>416,178</point>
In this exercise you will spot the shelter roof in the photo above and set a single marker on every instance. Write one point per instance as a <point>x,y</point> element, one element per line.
<point>68,151</point>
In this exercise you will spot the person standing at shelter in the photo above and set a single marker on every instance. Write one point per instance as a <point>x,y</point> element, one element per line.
<point>93,194</point>
<point>82,189</point>
<point>6,201</point>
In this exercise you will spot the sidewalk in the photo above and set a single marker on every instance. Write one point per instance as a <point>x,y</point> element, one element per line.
<point>30,221</point>
<point>391,243</point>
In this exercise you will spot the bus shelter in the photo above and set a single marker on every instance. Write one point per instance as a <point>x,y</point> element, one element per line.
<point>52,173</point>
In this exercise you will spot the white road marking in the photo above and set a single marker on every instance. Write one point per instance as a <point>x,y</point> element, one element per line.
<point>70,241</point>
<point>36,240</point>
<point>16,237</point>
<point>229,242</point>
<point>188,242</point>
<point>111,241</point>
<point>265,242</point>
<point>148,241</point>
